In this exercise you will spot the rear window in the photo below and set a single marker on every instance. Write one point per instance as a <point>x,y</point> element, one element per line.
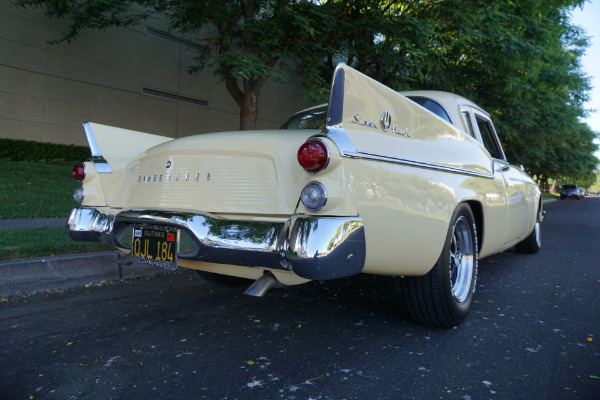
<point>310,119</point>
<point>569,187</point>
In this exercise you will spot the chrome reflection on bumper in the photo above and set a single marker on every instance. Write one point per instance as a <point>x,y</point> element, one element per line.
<point>317,248</point>
<point>89,224</point>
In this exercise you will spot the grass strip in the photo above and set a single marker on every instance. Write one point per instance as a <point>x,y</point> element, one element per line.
<point>36,189</point>
<point>547,196</point>
<point>18,243</point>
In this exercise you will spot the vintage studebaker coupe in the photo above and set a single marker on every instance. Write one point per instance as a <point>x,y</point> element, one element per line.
<point>413,185</point>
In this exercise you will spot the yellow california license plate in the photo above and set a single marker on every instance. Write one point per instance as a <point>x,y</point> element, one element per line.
<point>155,245</point>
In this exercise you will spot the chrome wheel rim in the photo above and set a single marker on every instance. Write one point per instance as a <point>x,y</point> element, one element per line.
<point>461,259</point>
<point>538,232</point>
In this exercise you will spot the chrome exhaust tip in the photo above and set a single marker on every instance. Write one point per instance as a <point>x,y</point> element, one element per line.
<point>263,284</point>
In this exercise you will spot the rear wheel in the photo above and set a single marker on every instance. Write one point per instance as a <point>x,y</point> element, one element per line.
<point>224,280</point>
<point>443,297</point>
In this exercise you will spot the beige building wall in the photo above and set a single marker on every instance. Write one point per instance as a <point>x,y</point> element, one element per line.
<point>48,91</point>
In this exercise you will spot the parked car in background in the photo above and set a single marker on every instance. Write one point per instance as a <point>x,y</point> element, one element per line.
<point>570,192</point>
<point>377,183</point>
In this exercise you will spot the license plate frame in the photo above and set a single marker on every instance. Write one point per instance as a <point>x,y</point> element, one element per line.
<point>155,245</point>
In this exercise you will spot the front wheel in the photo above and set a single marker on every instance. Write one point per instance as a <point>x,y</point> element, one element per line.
<point>532,243</point>
<point>444,295</point>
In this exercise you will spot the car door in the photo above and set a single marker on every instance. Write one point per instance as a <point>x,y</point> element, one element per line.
<point>516,188</point>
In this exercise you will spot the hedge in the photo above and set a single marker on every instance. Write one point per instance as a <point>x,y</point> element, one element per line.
<point>25,150</point>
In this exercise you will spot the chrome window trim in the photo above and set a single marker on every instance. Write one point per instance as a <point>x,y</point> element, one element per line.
<point>99,161</point>
<point>494,137</point>
<point>466,116</point>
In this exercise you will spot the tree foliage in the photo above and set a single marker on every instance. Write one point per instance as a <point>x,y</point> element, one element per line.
<point>518,59</point>
<point>245,41</point>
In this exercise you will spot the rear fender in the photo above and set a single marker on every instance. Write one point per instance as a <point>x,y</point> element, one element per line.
<point>112,148</point>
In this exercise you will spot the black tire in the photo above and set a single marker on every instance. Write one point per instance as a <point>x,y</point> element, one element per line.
<point>443,297</point>
<point>225,280</point>
<point>532,243</point>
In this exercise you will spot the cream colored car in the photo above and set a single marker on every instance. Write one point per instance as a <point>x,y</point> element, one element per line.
<point>377,183</point>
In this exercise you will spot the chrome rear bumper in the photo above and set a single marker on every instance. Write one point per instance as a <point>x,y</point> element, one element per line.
<point>318,248</point>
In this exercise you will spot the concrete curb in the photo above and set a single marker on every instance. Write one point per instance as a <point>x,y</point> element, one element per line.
<point>18,277</point>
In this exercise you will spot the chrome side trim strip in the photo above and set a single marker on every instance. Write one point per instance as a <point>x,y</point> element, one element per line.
<point>420,164</point>
<point>99,162</point>
<point>347,149</point>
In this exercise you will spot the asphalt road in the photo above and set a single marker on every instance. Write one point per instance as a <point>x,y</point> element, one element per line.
<point>533,333</point>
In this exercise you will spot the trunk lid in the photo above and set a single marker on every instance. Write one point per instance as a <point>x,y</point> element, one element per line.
<point>250,172</point>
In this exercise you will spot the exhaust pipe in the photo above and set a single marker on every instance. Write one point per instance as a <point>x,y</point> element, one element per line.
<point>263,284</point>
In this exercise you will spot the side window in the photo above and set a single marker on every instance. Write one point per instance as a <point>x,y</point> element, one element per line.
<point>488,137</point>
<point>468,122</point>
<point>432,106</point>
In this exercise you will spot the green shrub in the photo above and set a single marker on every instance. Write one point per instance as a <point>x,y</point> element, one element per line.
<point>25,150</point>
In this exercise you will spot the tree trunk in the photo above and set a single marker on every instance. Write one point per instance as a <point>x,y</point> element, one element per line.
<point>249,110</point>
<point>247,100</point>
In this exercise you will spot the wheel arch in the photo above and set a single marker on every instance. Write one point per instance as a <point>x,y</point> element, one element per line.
<point>477,210</point>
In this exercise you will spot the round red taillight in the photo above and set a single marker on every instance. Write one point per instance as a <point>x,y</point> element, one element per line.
<point>313,156</point>
<point>79,172</point>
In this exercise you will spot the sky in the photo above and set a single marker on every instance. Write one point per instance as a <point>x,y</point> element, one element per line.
<point>588,20</point>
